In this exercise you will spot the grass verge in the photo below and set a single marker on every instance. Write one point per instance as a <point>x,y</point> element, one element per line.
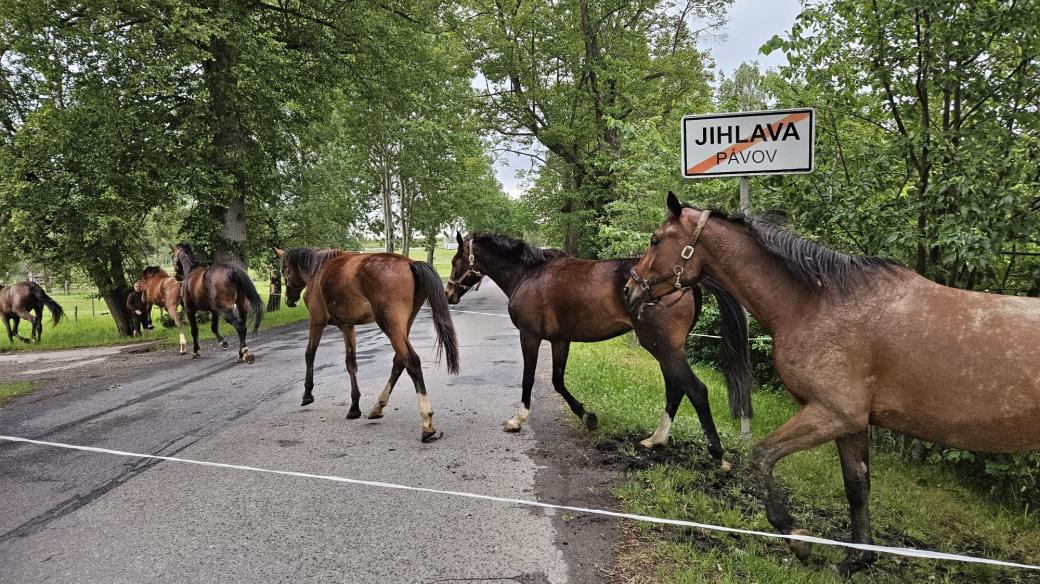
<point>912,504</point>
<point>13,389</point>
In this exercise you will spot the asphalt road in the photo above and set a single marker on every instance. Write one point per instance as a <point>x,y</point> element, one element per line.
<point>80,517</point>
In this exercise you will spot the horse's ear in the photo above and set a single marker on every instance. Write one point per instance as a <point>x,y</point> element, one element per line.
<point>674,206</point>
<point>279,252</point>
<point>458,237</point>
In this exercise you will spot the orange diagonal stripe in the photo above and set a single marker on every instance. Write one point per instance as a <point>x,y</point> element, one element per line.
<point>713,160</point>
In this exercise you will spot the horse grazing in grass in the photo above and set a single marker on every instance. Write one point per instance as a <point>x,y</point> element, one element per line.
<point>162,289</point>
<point>563,299</point>
<point>859,341</point>
<point>346,289</point>
<point>17,301</point>
<point>220,289</point>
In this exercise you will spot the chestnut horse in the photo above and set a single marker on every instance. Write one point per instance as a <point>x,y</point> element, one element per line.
<point>162,289</point>
<point>346,289</point>
<point>563,299</point>
<point>859,341</point>
<point>220,289</point>
<point>16,302</point>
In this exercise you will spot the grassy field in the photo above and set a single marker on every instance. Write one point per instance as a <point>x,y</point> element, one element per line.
<point>912,504</point>
<point>13,389</point>
<point>441,257</point>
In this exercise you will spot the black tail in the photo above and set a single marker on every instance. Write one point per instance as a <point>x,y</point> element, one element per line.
<point>734,352</point>
<point>57,312</point>
<point>429,283</point>
<point>245,286</point>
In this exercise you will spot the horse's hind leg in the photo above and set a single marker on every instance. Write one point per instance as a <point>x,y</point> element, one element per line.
<point>7,327</point>
<point>38,325</point>
<point>350,342</point>
<point>214,319</point>
<point>854,451</point>
<point>32,326</point>
<point>560,351</point>
<point>193,321</point>
<point>384,397</point>
<point>529,345</point>
<point>397,331</point>
<point>244,356</point>
<point>175,316</point>
<point>813,425</point>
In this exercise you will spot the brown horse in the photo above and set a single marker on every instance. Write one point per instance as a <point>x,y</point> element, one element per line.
<point>220,289</point>
<point>859,341</point>
<point>563,299</point>
<point>162,289</point>
<point>17,301</point>
<point>346,289</point>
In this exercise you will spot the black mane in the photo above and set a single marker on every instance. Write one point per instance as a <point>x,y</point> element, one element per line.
<point>815,267</point>
<point>307,260</point>
<point>189,251</point>
<point>515,249</point>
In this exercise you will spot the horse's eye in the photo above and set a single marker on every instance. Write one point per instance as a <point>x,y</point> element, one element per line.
<point>654,241</point>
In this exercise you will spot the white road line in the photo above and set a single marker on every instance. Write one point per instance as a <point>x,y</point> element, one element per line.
<point>908,552</point>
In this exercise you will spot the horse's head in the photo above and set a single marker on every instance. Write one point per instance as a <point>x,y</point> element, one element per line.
<point>669,264</point>
<point>183,259</point>
<point>292,272</point>
<point>464,272</point>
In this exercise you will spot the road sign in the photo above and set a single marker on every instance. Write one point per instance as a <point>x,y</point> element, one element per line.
<point>748,143</point>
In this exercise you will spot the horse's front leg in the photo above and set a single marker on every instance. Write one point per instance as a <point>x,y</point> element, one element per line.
<point>529,345</point>
<point>314,339</point>
<point>193,321</point>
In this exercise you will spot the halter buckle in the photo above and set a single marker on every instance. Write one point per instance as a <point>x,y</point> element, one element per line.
<point>687,252</point>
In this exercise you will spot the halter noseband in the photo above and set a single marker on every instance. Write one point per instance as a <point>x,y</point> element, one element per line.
<point>470,270</point>
<point>678,269</point>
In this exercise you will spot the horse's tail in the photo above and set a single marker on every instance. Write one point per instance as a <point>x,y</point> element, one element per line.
<point>57,312</point>
<point>428,283</point>
<point>734,353</point>
<point>246,287</point>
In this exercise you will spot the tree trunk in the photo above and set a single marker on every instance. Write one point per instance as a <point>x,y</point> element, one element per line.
<point>113,288</point>
<point>388,216</point>
<point>274,301</point>
<point>231,146</point>
<point>431,245</point>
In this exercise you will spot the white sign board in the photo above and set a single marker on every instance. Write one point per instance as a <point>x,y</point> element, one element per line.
<point>740,144</point>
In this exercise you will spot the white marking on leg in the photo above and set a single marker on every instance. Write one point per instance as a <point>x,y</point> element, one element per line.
<point>384,398</point>
<point>518,421</point>
<point>184,341</point>
<point>660,435</point>
<point>745,428</point>
<point>426,411</point>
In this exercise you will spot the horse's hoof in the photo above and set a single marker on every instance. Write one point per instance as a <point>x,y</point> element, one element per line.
<point>649,444</point>
<point>353,414</point>
<point>250,358</point>
<point>855,561</point>
<point>591,421</point>
<point>801,549</point>
<point>195,355</point>
<point>725,467</point>
<point>512,427</point>
<point>307,399</point>
<point>375,415</point>
<point>431,435</point>
<point>224,345</point>
<point>26,341</point>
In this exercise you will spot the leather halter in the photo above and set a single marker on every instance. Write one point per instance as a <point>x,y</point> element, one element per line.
<point>471,270</point>
<point>678,269</point>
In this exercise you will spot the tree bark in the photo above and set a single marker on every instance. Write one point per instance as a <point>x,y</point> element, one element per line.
<point>113,289</point>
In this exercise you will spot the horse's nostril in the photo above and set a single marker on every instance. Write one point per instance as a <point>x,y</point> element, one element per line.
<point>627,292</point>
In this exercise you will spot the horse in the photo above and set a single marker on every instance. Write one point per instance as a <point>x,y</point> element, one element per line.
<point>162,289</point>
<point>562,299</point>
<point>220,289</point>
<point>859,341</point>
<point>346,289</point>
<point>18,300</point>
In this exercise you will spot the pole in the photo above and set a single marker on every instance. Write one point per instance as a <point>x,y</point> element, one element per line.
<point>745,196</point>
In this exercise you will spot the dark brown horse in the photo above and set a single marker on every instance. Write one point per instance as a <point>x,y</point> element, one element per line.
<point>346,289</point>
<point>563,299</point>
<point>220,289</point>
<point>859,341</point>
<point>17,301</point>
<point>162,289</point>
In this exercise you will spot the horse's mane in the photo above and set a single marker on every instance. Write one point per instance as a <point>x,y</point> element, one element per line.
<point>150,271</point>
<point>516,249</point>
<point>308,259</point>
<point>189,250</point>
<point>815,267</point>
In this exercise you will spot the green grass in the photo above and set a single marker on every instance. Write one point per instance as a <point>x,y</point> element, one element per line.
<point>441,257</point>
<point>912,504</point>
<point>11,390</point>
<point>99,329</point>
